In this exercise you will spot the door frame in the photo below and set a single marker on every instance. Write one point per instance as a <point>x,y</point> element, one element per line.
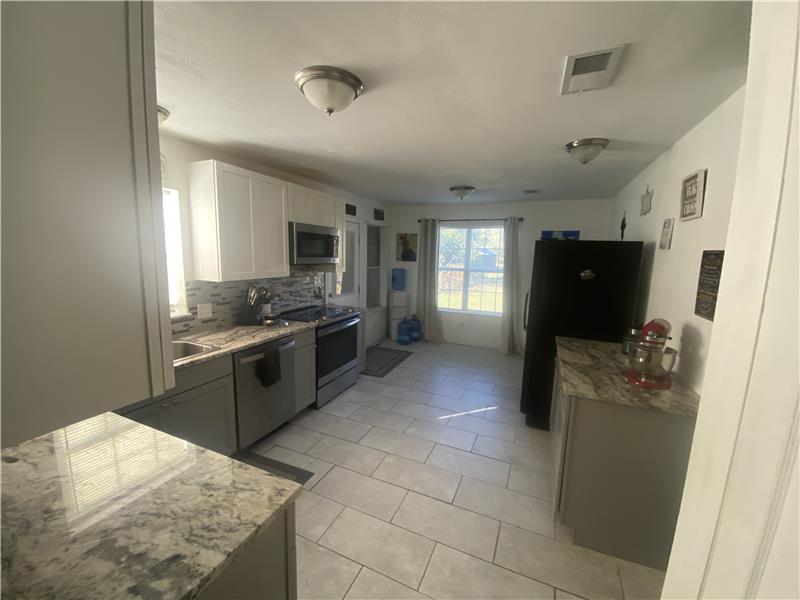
<point>354,264</point>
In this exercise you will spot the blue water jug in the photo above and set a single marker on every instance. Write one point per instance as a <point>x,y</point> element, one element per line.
<point>404,332</point>
<point>416,328</point>
<point>398,279</point>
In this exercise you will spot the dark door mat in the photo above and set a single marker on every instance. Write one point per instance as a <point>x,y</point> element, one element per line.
<point>381,361</point>
<point>274,467</point>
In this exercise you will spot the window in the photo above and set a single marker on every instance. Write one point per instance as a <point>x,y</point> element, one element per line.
<point>174,247</point>
<point>470,276</point>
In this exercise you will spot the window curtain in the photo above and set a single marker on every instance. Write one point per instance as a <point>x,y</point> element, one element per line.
<point>510,340</point>
<point>427,262</point>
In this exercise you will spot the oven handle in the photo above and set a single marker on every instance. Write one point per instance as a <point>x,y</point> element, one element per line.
<point>259,356</point>
<point>335,328</point>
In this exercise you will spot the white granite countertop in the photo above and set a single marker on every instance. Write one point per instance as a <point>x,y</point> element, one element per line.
<point>109,508</point>
<point>596,370</point>
<point>240,337</point>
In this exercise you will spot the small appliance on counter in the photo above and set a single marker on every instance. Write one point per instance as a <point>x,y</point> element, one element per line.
<point>650,358</point>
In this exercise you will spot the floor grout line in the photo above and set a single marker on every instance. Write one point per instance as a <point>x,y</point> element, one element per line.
<point>349,587</point>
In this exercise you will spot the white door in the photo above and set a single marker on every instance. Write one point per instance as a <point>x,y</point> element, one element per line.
<point>270,215</point>
<point>343,287</point>
<point>237,250</point>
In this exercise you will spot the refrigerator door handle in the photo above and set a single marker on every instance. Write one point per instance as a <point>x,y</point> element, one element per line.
<point>525,314</point>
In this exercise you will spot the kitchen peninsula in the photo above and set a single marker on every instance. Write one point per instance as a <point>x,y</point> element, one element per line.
<point>110,508</point>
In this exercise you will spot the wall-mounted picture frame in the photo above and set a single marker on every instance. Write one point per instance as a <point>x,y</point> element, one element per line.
<point>693,190</point>
<point>666,233</point>
<point>406,249</point>
<point>705,304</point>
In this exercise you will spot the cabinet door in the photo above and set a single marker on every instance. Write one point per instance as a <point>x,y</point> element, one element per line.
<point>205,416</point>
<point>323,209</point>
<point>305,377</point>
<point>235,208</point>
<point>300,204</point>
<point>270,215</point>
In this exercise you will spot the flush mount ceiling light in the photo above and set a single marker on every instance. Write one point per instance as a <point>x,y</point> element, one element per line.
<point>462,191</point>
<point>330,89</point>
<point>163,114</point>
<point>586,150</point>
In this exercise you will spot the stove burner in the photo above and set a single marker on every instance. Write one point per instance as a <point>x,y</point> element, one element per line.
<point>318,314</point>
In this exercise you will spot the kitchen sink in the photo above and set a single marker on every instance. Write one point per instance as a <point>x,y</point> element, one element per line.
<point>182,349</point>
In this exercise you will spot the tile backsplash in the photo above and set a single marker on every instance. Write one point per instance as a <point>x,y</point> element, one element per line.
<point>228,298</point>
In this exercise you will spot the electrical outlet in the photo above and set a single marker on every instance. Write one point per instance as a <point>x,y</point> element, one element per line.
<point>204,311</point>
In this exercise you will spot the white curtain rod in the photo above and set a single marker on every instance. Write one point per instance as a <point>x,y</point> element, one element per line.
<point>463,220</point>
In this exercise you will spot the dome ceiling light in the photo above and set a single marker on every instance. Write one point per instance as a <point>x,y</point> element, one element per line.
<point>462,191</point>
<point>586,150</point>
<point>330,89</point>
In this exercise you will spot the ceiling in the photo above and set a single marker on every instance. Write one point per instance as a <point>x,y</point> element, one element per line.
<point>455,93</point>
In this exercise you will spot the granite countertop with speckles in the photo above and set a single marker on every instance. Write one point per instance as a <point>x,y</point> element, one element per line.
<point>596,370</point>
<point>109,508</point>
<point>234,339</point>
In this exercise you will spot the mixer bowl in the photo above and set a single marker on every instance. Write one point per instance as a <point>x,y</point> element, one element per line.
<point>647,361</point>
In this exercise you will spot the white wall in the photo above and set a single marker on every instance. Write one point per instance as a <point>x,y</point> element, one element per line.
<point>592,217</point>
<point>178,153</point>
<point>669,280</point>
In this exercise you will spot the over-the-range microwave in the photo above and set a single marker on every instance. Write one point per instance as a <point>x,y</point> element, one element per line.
<point>313,244</point>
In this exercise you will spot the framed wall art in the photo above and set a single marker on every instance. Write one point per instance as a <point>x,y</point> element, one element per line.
<point>693,192</point>
<point>666,233</point>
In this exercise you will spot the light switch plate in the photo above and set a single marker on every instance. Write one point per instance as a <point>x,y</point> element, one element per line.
<point>204,311</point>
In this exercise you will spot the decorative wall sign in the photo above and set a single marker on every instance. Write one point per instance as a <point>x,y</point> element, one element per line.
<point>693,192</point>
<point>407,247</point>
<point>666,233</point>
<point>647,201</point>
<point>549,234</point>
<point>708,283</point>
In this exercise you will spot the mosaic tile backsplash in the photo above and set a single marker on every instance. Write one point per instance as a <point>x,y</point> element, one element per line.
<point>228,299</point>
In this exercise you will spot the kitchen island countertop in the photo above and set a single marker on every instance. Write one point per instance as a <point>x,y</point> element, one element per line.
<point>109,508</point>
<point>596,370</point>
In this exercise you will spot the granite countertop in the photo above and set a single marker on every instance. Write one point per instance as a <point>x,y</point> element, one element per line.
<point>596,370</point>
<point>234,339</point>
<point>109,508</point>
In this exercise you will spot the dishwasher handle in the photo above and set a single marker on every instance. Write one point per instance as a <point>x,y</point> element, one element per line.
<point>260,355</point>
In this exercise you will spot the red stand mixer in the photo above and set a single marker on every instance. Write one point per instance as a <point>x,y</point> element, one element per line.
<point>650,359</point>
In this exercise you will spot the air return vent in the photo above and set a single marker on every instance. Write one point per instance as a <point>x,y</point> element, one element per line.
<point>591,70</point>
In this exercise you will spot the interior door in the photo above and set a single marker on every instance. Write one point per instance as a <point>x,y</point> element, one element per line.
<point>343,288</point>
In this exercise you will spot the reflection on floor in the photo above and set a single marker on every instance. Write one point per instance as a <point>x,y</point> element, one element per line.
<point>428,484</point>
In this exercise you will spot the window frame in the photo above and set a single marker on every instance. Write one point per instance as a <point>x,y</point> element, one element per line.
<point>180,309</point>
<point>467,270</point>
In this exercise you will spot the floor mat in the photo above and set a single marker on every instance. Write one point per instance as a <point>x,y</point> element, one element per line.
<point>274,467</point>
<point>381,361</point>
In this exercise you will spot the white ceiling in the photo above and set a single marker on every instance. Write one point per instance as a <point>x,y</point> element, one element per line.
<point>456,93</point>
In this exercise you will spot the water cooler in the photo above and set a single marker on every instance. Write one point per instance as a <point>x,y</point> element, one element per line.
<point>398,301</point>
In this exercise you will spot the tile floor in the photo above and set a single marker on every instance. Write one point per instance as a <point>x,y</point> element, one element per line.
<point>428,484</point>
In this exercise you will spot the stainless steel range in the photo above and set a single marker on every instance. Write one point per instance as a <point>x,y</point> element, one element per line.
<point>338,333</point>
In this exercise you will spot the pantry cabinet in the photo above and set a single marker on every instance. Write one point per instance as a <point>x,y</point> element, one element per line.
<point>311,206</point>
<point>239,223</point>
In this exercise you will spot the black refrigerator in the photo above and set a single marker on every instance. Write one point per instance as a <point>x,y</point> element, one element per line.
<point>581,289</point>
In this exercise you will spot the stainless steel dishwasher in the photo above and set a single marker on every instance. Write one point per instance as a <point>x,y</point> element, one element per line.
<point>264,389</point>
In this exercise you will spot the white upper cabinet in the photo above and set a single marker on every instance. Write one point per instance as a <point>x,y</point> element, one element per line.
<point>239,223</point>
<point>311,206</point>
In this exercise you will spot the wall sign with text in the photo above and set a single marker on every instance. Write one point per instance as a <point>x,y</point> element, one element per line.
<point>705,304</point>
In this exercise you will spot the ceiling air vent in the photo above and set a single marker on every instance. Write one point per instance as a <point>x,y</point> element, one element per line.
<point>591,70</point>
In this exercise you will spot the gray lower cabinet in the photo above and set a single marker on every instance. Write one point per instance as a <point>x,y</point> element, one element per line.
<point>305,369</point>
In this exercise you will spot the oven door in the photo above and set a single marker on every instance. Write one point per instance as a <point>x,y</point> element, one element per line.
<point>337,350</point>
<point>313,245</point>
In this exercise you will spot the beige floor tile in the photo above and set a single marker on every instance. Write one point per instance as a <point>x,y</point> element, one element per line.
<point>531,482</point>
<point>506,505</point>
<point>562,595</point>
<point>442,389</point>
<point>315,514</point>
<point>425,479</point>
<point>387,549</point>
<point>398,443</point>
<point>500,431</point>
<point>442,434</point>
<point>505,415</point>
<point>368,387</point>
<point>420,411</point>
<point>458,405</point>
<point>469,384</point>
<point>331,425</point>
<point>495,379</point>
<point>406,394</point>
<point>381,418</point>
<point>456,575</point>
<point>370,585</point>
<point>471,465</point>
<point>339,407</point>
<point>640,582</point>
<point>347,454</point>
<point>369,399</point>
<point>397,379</point>
<point>564,534</point>
<point>322,574</point>
<point>526,456</point>
<point>483,398</point>
<point>294,438</point>
<point>376,498</point>
<point>316,466</point>
<point>565,566</point>
<point>458,528</point>
<point>512,392</point>
<point>530,436</point>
